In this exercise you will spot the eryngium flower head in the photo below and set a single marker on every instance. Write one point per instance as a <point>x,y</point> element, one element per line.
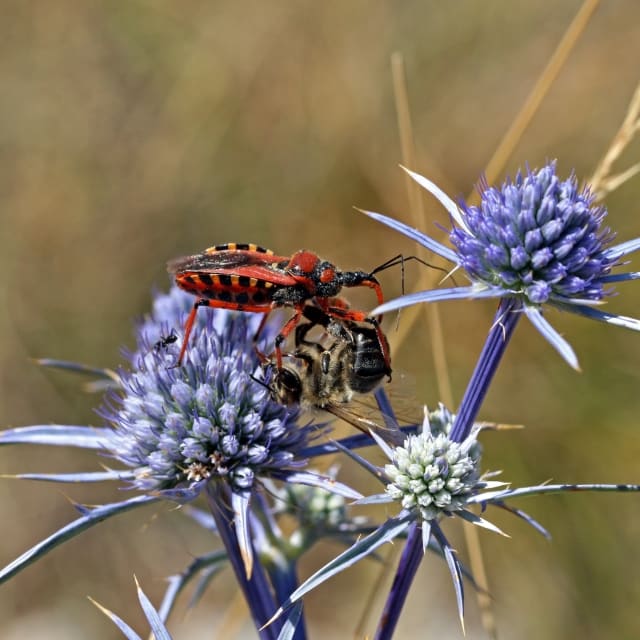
<point>536,236</point>
<point>441,421</point>
<point>432,475</point>
<point>536,242</point>
<point>314,507</point>
<point>179,428</point>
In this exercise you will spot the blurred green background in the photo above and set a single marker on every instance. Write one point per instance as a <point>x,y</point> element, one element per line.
<point>133,132</point>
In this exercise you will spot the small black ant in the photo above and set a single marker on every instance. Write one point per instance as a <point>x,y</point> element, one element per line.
<point>165,341</point>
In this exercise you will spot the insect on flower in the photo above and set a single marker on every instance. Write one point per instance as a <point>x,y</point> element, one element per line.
<point>165,341</point>
<point>328,374</point>
<point>247,277</point>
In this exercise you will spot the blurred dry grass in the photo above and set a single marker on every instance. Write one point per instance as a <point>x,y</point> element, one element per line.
<point>134,132</point>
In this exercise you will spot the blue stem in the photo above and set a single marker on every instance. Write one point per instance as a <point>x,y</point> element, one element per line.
<point>285,582</point>
<point>256,589</point>
<point>412,555</point>
<point>505,321</point>
<point>282,570</point>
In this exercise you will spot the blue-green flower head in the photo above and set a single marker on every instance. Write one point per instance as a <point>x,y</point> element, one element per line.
<point>537,237</point>
<point>537,241</point>
<point>441,421</point>
<point>314,507</point>
<point>431,475</point>
<point>179,428</point>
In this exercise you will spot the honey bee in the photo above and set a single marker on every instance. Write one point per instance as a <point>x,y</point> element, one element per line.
<point>349,360</point>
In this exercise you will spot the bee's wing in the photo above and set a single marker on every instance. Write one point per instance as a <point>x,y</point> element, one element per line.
<point>351,413</point>
<point>403,414</point>
<point>407,410</point>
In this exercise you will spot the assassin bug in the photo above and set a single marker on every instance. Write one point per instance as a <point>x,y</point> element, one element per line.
<point>329,373</point>
<point>247,277</point>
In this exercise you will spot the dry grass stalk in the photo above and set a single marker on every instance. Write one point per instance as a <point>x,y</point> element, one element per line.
<point>603,181</point>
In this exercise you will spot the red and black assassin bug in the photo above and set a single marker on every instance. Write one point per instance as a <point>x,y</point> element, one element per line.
<point>247,277</point>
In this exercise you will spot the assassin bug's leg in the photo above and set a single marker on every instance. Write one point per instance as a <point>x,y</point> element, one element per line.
<point>265,361</point>
<point>361,279</point>
<point>188,327</point>
<point>256,335</point>
<point>360,316</point>
<point>285,331</point>
<point>375,285</point>
<point>204,302</point>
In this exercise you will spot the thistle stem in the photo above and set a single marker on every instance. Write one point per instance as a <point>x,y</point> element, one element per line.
<point>256,589</point>
<point>412,554</point>
<point>505,321</point>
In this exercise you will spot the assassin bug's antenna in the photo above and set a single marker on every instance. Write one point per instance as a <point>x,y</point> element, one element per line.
<point>400,260</point>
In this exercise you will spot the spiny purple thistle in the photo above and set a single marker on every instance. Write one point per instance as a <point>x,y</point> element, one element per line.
<point>179,428</point>
<point>536,241</point>
<point>538,237</point>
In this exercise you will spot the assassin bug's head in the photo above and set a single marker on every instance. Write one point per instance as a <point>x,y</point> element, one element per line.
<point>319,277</point>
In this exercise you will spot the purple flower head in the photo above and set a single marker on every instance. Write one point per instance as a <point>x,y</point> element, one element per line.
<point>179,428</point>
<point>535,242</point>
<point>536,237</point>
<point>207,427</point>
